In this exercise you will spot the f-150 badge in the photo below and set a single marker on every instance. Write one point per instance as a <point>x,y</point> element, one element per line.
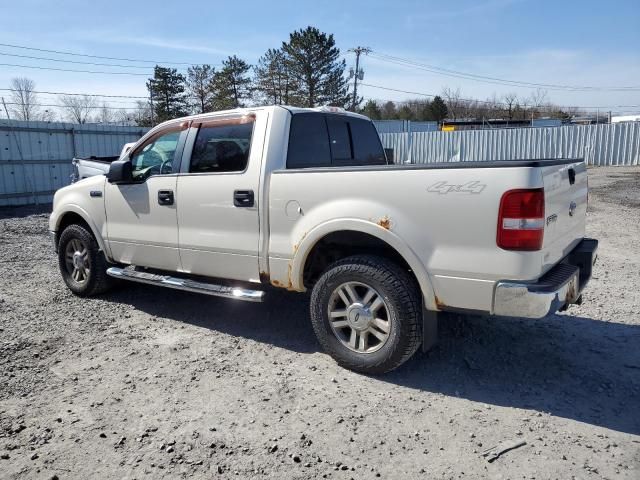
<point>469,187</point>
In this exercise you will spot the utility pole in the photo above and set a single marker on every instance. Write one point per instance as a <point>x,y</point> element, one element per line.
<point>5,109</point>
<point>151,104</point>
<point>358,74</point>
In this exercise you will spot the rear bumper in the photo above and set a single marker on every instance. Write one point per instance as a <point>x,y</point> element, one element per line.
<point>557,289</point>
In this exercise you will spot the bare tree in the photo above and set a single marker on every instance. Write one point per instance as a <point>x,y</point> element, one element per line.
<point>24,99</point>
<point>510,101</point>
<point>105,114</point>
<point>78,107</point>
<point>123,117</point>
<point>537,100</point>
<point>453,101</point>
<point>142,116</point>
<point>47,116</point>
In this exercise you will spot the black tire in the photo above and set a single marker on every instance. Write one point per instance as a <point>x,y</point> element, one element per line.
<point>402,299</point>
<point>95,280</point>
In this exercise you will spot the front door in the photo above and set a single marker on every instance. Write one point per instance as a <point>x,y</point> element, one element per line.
<point>141,216</point>
<point>219,195</point>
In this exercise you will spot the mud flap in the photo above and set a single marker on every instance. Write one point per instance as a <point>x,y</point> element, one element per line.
<point>429,329</point>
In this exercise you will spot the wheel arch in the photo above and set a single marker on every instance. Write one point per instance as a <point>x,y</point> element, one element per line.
<point>365,237</point>
<point>73,214</point>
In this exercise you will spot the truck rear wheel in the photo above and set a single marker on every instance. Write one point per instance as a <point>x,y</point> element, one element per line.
<point>82,264</point>
<point>366,313</point>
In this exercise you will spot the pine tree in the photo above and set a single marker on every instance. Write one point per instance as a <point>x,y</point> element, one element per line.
<point>372,110</point>
<point>438,109</point>
<point>273,80</point>
<point>389,111</point>
<point>313,59</point>
<point>199,79</point>
<point>231,86</point>
<point>167,92</point>
<point>406,113</point>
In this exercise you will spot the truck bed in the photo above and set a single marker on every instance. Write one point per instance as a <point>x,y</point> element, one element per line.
<point>89,166</point>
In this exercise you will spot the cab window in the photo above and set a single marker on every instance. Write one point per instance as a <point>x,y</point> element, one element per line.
<point>324,140</point>
<point>222,147</point>
<point>308,141</point>
<point>156,156</point>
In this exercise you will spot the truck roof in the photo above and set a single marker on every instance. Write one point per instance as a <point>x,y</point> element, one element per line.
<point>245,110</point>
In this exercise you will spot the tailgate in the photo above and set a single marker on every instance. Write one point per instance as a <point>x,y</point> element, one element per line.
<point>565,190</point>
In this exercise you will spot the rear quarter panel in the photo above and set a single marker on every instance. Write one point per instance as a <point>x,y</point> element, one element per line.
<point>442,221</point>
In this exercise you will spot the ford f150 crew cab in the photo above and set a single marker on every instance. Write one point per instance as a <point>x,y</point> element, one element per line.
<point>237,202</point>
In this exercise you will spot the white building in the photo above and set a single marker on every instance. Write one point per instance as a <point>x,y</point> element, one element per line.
<point>625,118</point>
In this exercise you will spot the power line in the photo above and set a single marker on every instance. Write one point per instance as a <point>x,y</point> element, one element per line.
<point>48,59</point>
<point>494,80</point>
<point>4,54</point>
<point>432,95</point>
<point>99,107</point>
<point>62,52</point>
<point>74,71</point>
<point>79,94</point>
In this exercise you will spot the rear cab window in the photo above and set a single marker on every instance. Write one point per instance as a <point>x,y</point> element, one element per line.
<point>323,140</point>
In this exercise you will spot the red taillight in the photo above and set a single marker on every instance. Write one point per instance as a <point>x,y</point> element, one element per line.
<point>521,220</point>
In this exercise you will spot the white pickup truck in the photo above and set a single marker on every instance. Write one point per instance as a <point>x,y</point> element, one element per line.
<point>234,203</point>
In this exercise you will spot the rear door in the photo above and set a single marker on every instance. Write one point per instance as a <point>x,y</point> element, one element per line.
<point>219,193</point>
<point>565,189</point>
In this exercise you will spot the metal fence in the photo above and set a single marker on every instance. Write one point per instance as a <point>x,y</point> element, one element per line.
<point>35,157</point>
<point>602,145</point>
<point>399,126</point>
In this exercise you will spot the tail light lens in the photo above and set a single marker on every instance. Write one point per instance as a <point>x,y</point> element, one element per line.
<point>521,220</point>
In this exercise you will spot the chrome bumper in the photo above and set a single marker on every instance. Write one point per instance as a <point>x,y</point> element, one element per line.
<point>556,290</point>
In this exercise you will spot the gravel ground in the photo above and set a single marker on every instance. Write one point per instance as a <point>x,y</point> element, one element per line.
<point>145,382</point>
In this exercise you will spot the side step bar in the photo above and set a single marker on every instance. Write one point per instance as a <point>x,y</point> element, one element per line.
<point>187,284</point>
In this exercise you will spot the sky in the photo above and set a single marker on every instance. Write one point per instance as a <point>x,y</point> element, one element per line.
<point>583,43</point>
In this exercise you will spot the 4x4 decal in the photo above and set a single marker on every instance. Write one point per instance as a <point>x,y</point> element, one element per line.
<point>469,187</point>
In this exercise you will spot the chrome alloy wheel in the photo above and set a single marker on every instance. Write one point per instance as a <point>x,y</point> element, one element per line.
<point>76,256</point>
<point>359,317</point>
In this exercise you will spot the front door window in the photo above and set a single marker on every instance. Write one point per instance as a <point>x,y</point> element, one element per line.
<point>156,156</point>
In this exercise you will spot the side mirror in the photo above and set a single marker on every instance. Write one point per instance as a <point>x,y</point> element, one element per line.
<point>120,172</point>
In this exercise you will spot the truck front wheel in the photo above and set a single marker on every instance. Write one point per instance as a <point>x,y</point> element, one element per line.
<point>366,313</point>
<point>82,264</point>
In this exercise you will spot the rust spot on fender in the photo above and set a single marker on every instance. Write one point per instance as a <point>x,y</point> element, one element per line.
<point>440,304</point>
<point>297,245</point>
<point>385,222</point>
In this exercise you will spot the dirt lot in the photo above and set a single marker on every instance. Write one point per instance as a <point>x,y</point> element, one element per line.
<point>146,382</point>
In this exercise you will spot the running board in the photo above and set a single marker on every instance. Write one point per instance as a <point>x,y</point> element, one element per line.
<point>186,284</point>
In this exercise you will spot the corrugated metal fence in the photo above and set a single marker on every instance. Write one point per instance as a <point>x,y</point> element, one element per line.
<point>398,126</point>
<point>615,144</point>
<point>35,157</point>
